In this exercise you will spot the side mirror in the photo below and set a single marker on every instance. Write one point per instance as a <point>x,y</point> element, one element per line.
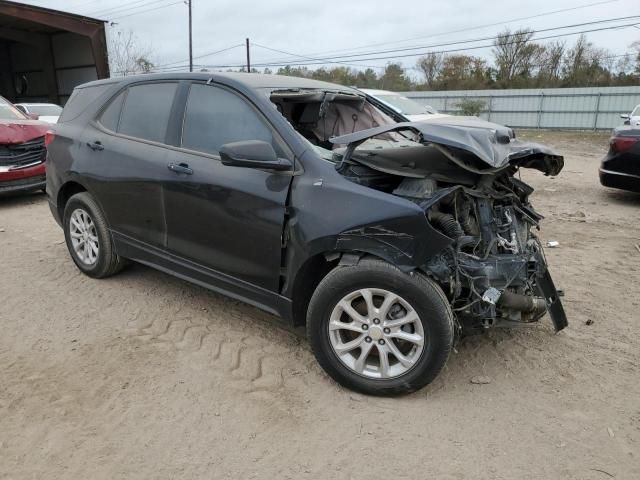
<point>253,154</point>
<point>625,116</point>
<point>33,116</point>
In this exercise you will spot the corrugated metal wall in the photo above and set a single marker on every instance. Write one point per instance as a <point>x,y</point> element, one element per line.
<point>577,108</point>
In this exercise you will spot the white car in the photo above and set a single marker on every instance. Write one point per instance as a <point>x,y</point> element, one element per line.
<point>633,118</point>
<point>47,112</point>
<point>411,109</point>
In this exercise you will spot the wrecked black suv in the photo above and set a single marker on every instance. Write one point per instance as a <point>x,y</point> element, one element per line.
<point>387,239</point>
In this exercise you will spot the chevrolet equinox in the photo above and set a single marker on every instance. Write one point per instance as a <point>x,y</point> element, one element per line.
<point>387,239</point>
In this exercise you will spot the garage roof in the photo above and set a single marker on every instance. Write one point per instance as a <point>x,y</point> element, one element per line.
<point>44,20</point>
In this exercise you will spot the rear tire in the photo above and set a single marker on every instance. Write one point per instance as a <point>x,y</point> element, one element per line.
<point>88,238</point>
<point>415,352</point>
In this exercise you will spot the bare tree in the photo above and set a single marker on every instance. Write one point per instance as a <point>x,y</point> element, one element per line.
<point>586,65</point>
<point>636,46</point>
<point>515,54</point>
<point>576,58</point>
<point>127,56</point>
<point>430,65</point>
<point>551,62</point>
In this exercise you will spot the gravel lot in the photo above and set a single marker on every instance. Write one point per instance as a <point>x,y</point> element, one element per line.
<point>145,376</point>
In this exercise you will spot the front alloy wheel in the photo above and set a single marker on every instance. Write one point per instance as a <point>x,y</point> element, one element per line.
<point>378,330</point>
<point>376,333</point>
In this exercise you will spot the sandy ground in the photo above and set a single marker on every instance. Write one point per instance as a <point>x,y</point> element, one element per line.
<point>145,376</point>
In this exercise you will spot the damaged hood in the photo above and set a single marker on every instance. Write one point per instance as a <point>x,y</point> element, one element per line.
<point>495,145</point>
<point>20,131</point>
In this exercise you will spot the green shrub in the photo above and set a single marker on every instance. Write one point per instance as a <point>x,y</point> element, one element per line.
<point>471,106</point>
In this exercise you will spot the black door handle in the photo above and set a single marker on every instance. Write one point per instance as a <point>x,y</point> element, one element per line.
<point>180,168</point>
<point>97,145</point>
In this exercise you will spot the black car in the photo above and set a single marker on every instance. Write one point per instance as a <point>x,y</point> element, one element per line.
<point>387,240</point>
<point>621,166</point>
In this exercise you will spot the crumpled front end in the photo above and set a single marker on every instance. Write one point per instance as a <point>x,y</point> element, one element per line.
<point>489,262</point>
<point>494,271</point>
<point>22,157</point>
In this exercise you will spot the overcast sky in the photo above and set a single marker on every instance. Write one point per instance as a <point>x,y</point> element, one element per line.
<point>339,27</point>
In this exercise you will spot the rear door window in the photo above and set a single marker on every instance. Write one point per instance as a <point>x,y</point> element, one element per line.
<point>146,111</point>
<point>214,116</point>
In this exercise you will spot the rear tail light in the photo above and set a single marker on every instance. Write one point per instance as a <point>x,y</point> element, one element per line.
<point>622,144</point>
<point>49,136</point>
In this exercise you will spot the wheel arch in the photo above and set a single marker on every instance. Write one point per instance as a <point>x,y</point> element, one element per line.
<point>66,191</point>
<point>316,267</point>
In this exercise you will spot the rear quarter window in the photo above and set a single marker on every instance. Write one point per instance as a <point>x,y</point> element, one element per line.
<point>111,115</point>
<point>80,99</point>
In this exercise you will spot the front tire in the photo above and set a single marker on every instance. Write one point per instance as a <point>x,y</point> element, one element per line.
<point>379,331</point>
<point>88,239</point>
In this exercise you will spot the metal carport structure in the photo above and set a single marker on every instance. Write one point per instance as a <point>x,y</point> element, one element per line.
<point>45,53</point>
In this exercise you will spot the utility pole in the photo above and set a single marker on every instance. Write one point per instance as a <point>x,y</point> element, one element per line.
<point>190,40</point>
<point>248,57</point>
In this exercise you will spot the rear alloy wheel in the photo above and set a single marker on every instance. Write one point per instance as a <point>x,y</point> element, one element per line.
<point>84,237</point>
<point>378,330</point>
<point>88,238</point>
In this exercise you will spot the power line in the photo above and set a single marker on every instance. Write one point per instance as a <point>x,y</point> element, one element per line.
<point>204,54</point>
<point>311,58</point>
<point>190,38</point>
<point>147,10</point>
<point>478,27</point>
<point>379,52</point>
<point>178,68</point>
<point>319,61</point>
<point>124,7</point>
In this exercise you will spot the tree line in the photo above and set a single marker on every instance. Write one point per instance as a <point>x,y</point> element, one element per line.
<point>517,62</point>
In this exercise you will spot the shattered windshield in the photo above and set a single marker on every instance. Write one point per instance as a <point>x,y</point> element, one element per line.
<point>320,115</point>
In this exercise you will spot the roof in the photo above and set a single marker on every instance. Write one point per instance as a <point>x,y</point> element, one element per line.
<point>251,80</point>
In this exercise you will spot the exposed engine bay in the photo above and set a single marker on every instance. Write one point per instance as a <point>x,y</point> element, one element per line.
<point>461,172</point>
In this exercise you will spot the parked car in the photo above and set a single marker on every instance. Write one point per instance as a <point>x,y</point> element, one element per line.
<point>387,240</point>
<point>410,109</point>
<point>620,168</point>
<point>22,151</point>
<point>633,118</point>
<point>46,112</point>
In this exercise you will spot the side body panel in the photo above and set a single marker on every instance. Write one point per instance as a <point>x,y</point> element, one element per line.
<point>127,177</point>
<point>227,218</point>
<point>331,214</point>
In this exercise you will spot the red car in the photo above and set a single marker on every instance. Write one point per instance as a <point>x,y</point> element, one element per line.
<point>22,151</point>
